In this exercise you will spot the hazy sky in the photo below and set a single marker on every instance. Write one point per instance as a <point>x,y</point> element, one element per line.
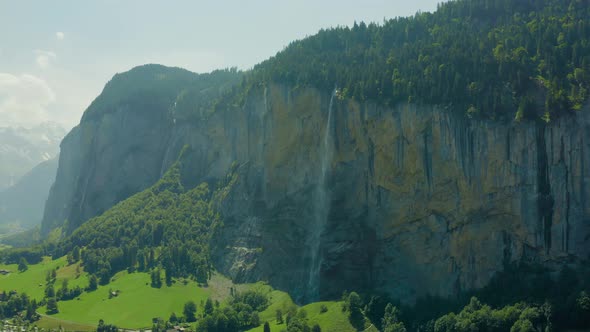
<point>55,56</point>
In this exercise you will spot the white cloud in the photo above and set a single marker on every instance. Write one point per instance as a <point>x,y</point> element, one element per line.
<point>43,58</point>
<point>60,35</point>
<point>24,100</point>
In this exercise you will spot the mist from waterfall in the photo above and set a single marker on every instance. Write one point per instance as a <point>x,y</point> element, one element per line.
<point>321,206</point>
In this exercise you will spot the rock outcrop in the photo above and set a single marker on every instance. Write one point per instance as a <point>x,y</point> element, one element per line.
<point>421,201</point>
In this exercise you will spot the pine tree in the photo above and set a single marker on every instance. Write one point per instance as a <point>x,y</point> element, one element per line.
<point>76,253</point>
<point>190,310</point>
<point>49,291</point>
<point>92,283</point>
<point>208,309</point>
<point>355,314</point>
<point>22,265</point>
<point>391,321</point>
<point>52,306</point>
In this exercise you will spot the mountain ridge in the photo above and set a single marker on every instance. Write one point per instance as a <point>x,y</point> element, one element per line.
<point>24,202</point>
<point>21,149</point>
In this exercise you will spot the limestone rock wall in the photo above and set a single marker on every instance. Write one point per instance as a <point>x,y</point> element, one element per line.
<point>421,201</point>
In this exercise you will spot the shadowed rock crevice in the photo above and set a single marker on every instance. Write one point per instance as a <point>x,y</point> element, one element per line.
<point>545,201</point>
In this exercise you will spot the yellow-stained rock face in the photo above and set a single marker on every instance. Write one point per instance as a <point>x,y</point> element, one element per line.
<point>419,200</point>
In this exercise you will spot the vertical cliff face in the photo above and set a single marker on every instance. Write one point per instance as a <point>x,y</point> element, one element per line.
<point>420,201</point>
<point>104,161</point>
<point>122,143</point>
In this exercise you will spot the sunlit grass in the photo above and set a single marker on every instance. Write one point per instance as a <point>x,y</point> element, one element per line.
<point>32,282</point>
<point>136,303</point>
<point>47,322</point>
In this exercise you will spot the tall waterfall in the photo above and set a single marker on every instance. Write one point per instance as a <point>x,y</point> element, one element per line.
<point>265,99</point>
<point>321,207</point>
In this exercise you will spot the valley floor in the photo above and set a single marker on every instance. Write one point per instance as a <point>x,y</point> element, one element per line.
<point>137,303</point>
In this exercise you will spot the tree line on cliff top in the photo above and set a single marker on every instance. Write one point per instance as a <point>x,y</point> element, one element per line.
<point>488,58</point>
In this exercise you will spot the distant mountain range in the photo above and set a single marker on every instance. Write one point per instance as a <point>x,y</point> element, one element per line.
<point>21,205</point>
<point>21,149</point>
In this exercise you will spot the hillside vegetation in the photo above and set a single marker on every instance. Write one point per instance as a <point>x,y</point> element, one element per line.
<point>164,227</point>
<point>155,87</point>
<point>489,58</point>
<point>137,304</point>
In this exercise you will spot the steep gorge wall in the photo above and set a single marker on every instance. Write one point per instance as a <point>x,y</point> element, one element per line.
<point>421,201</point>
<point>105,160</point>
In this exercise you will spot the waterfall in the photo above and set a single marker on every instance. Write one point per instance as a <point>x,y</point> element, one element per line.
<point>262,139</point>
<point>265,100</point>
<point>321,207</point>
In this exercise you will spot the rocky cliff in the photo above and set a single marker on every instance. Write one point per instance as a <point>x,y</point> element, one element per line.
<point>334,194</point>
<point>421,201</point>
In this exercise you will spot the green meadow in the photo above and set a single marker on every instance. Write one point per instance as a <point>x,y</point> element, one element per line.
<point>33,280</point>
<point>333,320</point>
<point>134,306</point>
<point>48,322</point>
<point>137,303</point>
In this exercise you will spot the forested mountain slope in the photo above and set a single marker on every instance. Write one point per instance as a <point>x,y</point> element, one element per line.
<point>165,225</point>
<point>490,58</point>
<point>123,139</point>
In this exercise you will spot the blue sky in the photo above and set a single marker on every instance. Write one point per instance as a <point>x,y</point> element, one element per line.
<point>55,56</point>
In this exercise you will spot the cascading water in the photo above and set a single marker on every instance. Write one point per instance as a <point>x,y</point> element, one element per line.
<point>321,207</point>
<point>265,100</point>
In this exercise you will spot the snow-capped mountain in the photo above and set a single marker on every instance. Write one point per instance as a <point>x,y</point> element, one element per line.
<point>21,149</point>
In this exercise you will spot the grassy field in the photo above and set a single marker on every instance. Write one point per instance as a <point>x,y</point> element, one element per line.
<point>33,281</point>
<point>135,307</point>
<point>334,320</point>
<point>47,322</point>
<point>136,304</point>
<point>278,300</point>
